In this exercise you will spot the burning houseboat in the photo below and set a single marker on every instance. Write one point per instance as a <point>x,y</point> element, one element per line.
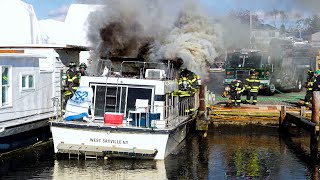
<point>134,112</point>
<point>137,109</point>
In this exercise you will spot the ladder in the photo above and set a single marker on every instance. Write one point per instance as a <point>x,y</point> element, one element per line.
<point>111,93</point>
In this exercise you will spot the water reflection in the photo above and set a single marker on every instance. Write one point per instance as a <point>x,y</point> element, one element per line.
<point>108,169</point>
<point>241,153</point>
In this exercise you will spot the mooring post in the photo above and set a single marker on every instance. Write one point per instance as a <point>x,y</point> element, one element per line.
<point>303,111</point>
<point>202,120</point>
<point>315,110</point>
<point>283,113</point>
<point>202,98</point>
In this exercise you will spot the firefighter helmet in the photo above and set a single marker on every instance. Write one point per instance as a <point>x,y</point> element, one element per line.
<point>184,72</point>
<point>72,64</point>
<point>309,72</point>
<point>252,71</point>
<point>83,65</point>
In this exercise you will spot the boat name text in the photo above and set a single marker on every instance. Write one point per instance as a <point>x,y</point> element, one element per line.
<point>110,141</point>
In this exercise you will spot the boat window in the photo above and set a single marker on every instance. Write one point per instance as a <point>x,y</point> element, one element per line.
<point>137,93</point>
<point>109,100</point>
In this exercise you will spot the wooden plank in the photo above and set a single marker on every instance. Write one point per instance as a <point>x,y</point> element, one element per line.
<point>247,113</point>
<point>301,122</point>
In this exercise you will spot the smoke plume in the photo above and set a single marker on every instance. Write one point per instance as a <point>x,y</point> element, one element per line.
<point>195,39</point>
<point>155,29</point>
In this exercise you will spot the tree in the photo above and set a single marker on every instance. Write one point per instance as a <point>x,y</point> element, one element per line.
<point>308,25</point>
<point>313,24</point>
<point>283,17</point>
<point>237,28</point>
<point>244,16</point>
<point>274,14</point>
<point>282,30</point>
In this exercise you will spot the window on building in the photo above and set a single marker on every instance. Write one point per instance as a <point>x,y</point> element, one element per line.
<point>272,34</point>
<point>257,34</point>
<point>5,85</point>
<point>27,81</point>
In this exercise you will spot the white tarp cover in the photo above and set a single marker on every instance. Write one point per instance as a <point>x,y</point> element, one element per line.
<point>74,29</point>
<point>78,106</point>
<point>19,24</point>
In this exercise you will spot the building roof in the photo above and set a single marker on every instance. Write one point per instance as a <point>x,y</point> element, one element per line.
<point>19,24</point>
<point>264,27</point>
<point>315,37</point>
<point>54,46</point>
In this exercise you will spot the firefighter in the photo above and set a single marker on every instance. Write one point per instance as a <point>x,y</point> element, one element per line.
<point>191,78</point>
<point>185,91</point>
<point>235,89</point>
<point>83,69</point>
<point>194,80</point>
<point>185,87</point>
<point>252,86</point>
<point>72,83</point>
<point>309,86</point>
<point>239,89</point>
<point>316,84</point>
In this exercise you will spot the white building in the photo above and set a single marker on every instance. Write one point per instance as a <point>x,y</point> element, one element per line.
<point>263,35</point>
<point>30,72</point>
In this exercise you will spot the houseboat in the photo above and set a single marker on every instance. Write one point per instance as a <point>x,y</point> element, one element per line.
<point>30,83</point>
<point>134,112</point>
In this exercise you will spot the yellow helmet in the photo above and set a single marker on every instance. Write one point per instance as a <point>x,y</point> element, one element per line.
<point>72,64</point>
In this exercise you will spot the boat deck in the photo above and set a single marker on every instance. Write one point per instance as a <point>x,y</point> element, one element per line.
<point>98,151</point>
<point>125,126</point>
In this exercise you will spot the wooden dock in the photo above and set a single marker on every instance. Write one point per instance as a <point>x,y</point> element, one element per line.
<point>256,114</point>
<point>283,116</point>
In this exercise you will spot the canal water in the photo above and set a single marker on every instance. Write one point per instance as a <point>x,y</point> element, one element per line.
<point>245,152</point>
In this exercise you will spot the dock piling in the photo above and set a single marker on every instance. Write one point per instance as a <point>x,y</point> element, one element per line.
<point>315,107</point>
<point>202,121</point>
<point>303,111</point>
<point>283,114</point>
<point>315,111</point>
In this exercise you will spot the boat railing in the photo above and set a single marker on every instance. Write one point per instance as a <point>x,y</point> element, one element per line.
<point>174,114</point>
<point>142,66</point>
<point>179,112</point>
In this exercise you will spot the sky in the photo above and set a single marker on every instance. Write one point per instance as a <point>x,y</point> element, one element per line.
<point>57,9</point>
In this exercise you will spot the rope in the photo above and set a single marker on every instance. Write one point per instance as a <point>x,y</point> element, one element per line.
<point>29,110</point>
<point>22,97</point>
<point>283,93</point>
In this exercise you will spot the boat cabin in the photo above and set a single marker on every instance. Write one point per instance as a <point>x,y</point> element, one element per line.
<point>137,90</point>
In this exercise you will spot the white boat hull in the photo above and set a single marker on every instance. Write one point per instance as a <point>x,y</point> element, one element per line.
<point>163,141</point>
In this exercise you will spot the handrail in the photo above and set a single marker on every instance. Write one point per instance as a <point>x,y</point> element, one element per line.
<point>165,68</point>
<point>176,113</point>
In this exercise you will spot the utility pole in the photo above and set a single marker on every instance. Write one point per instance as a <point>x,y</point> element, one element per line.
<point>250,29</point>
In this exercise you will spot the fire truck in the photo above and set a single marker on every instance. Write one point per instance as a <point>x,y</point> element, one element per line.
<point>282,68</point>
<point>291,60</point>
<point>240,62</point>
